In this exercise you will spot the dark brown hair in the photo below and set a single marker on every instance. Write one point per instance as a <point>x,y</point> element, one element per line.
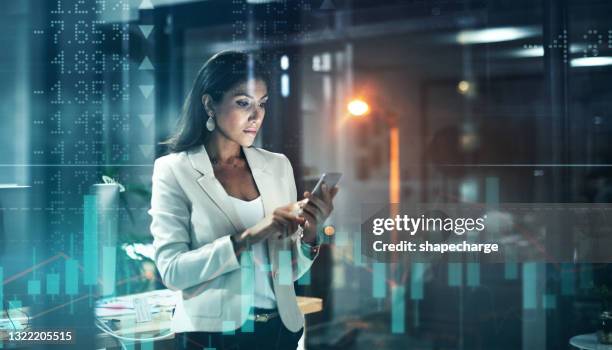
<point>221,73</point>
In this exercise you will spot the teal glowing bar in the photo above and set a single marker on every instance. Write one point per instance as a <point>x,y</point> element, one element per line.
<point>248,288</point>
<point>416,281</point>
<point>510,270</point>
<point>568,279</point>
<point>529,286</point>
<point>248,272</point>
<point>109,256</point>
<point>398,309</point>
<point>511,266</point>
<point>53,282</point>
<point>146,345</point>
<point>284,268</point>
<point>357,259</point>
<point>1,288</point>
<point>492,191</point>
<point>72,277</point>
<point>129,324</point>
<point>586,276</point>
<point>549,301</point>
<point>249,325</point>
<point>34,287</point>
<point>90,240</point>
<point>14,310</point>
<point>473,274</point>
<point>379,277</point>
<point>454,274</point>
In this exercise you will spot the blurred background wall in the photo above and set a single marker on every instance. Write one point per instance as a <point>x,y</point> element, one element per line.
<point>494,102</point>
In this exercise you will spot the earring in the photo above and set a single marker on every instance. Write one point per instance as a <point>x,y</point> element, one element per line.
<point>210,123</point>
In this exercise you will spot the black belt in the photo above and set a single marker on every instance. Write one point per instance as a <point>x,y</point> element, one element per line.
<point>263,315</point>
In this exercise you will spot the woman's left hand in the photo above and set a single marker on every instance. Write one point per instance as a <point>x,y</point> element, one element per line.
<point>316,210</point>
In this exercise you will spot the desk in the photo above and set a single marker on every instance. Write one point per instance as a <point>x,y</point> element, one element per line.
<point>588,342</point>
<point>160,323</point>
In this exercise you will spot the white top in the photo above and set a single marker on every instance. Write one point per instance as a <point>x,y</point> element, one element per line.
<point>251,212</point>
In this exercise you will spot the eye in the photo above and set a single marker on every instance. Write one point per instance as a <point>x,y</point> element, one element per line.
<point>242,103</point>
<point>263,104</point>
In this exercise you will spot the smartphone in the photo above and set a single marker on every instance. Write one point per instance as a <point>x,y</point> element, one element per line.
<point>330,179</point>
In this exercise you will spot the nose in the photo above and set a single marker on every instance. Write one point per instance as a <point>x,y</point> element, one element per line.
<point>257,114</point>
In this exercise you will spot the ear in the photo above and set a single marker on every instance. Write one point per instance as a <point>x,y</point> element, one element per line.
<point>208,105</point>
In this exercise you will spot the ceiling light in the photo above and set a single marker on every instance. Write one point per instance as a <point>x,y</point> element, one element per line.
<point>492,35</point>
<point>591,61</point>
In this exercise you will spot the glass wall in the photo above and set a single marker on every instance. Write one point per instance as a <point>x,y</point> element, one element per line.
<point>471,102</point>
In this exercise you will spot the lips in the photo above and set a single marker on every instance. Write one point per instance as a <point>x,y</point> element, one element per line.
<point>250,131</point>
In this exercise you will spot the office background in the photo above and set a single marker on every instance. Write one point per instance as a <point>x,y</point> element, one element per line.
<point>503,101</point>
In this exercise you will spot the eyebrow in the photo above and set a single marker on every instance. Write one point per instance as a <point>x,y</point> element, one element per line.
<point>247,95</point>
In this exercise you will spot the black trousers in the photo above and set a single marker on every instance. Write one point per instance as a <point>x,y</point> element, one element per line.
<point>266,335</point>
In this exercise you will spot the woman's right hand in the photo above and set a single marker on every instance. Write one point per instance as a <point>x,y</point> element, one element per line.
<point>281,223</point>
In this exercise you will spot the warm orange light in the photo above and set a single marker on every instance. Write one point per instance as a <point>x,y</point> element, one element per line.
<point>464,87</point>
<point>358,107</point>
<point>329,230</point>
<point>394,166</point>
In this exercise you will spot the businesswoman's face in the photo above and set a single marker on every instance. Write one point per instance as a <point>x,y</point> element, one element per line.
<point>240,112</point>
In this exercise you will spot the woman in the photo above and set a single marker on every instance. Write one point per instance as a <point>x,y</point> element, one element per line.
<point>228,230</point>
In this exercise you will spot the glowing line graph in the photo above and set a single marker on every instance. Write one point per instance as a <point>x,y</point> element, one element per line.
<point>32,268</point>
<point>66,257</point>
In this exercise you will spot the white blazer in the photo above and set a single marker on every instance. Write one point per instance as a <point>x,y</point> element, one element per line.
<point>192,220</point>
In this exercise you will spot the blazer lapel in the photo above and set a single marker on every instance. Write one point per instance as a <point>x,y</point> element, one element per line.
<point>214,189</point>
<point>268,186</point>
